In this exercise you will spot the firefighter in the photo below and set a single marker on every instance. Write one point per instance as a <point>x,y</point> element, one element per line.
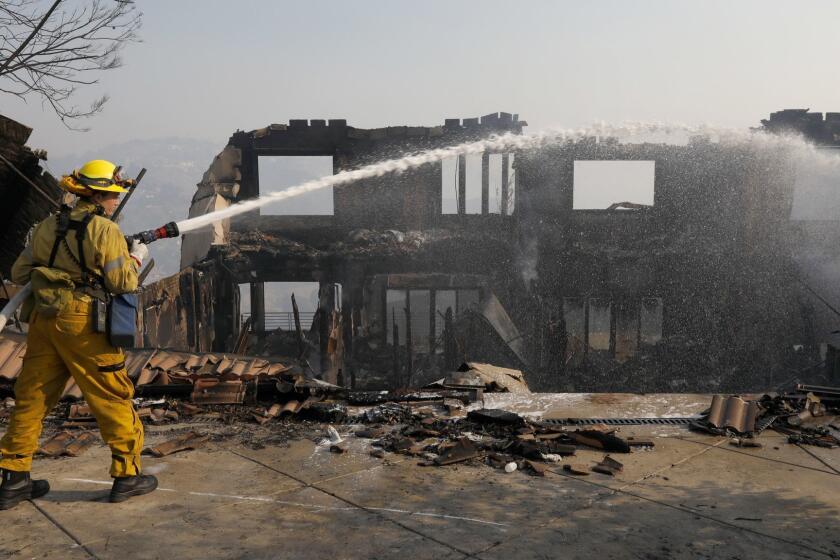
<point>75,259</point>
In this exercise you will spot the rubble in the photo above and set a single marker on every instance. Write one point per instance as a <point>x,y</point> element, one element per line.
<point>492,379</point>
<point>600,440</point>
<point>68,443</point>
<point>799,413</point>
<point>608,466</point>
<point>578,469</point>
<point>190,440</point>
<point>489,415</point>
<point>461,450</point>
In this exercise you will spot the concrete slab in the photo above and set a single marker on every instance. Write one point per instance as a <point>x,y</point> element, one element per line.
<point>307,524</point>
<point>469,507</point>
<point>181,524</point>
<point>195,471</point>
<point>625,527</point>
<point>312,462</point>
<point>27,533</point>
<point>787,501</point>
<point>775,449</point>
<point>830,458</point>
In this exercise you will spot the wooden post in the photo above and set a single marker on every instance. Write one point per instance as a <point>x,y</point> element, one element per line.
<point>462,185</point>
<point>347,343</point>
<point>298,329</point>
<point>432,322</point>
<point>485,183</point>
<point>409,350</point>
<point>258,308</point>
<point>331,341</point>
<point>396,341</point>
<point>449,346</point>
<point>505,186</point>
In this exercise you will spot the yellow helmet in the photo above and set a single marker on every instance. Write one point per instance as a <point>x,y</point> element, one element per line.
<point>95,175</point>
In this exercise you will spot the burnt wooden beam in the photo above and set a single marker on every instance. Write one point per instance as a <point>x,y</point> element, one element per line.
<point>258,308</point>
<point>396,341</point>
<point>462,184</point>
<point>409,349</point>
<point>505,185</point>
<point>485,183</point>
<point>298,329</point>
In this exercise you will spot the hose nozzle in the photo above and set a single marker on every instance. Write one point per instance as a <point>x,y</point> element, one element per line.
<point>163,232</point>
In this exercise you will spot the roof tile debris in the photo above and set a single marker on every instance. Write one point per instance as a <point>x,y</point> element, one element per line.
<point>215,391</point>
<point>72,444</point>
<point>734,413</point>
<point>497,379</point>
<point>608,466</point>
<point>150,367</point>
<point>190,440</point>
<point>804,413</point>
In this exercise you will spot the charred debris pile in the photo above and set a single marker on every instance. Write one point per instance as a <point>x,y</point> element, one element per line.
<point>201,400</point>
<point>807,414</point>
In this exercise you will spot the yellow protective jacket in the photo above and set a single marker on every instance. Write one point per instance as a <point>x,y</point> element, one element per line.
<point>105,252</point>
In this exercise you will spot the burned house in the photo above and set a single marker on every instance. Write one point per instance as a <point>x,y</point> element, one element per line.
<point>490,258</point>
<point>389,251</point>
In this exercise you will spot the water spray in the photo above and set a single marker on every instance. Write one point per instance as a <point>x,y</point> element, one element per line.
<point>509,141</point>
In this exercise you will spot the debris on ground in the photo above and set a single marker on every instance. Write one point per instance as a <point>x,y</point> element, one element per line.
<point>491,415</point>
<point>6,407</point>
<point>492,379</point>
<point>600,440</point>
<point>608,466</point>
<point>333,435</point>
<point>68,443</point>
<point>461,450</point>
<point>804,413</point>
<point>190,440</point>
<point>576,469</point>
<point>431,425</point>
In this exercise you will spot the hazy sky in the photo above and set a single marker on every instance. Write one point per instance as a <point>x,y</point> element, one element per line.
<point>206,68</point>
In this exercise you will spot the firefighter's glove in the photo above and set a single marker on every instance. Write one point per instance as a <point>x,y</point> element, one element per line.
<point>139,252</point>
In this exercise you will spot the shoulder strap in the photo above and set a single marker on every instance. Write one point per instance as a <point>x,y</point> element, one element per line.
<point>62,225</point>
<point>80,227</point>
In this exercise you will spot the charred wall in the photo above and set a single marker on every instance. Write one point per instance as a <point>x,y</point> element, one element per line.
<point>712,253</point>
<point>23,206</point>
<point>195,310</point>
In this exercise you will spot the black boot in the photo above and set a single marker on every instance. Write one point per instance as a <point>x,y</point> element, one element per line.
<point>17,487</point>
<point>129,486</point>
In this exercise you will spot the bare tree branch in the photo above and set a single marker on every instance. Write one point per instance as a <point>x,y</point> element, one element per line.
<point>49,53</point>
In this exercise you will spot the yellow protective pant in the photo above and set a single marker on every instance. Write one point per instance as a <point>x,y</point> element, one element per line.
<point>58,348</point>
